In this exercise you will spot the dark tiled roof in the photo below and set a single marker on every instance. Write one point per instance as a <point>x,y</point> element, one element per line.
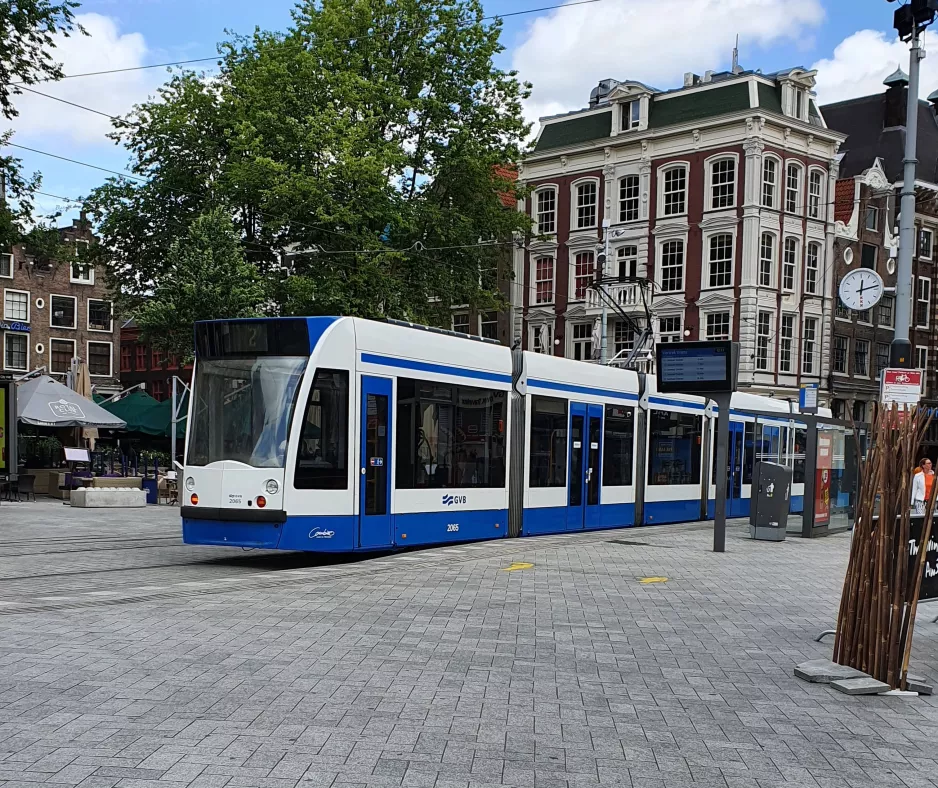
<point>699,105</point>
<point>575,130</point>
<point>769,98</point>
<point>862,120</point>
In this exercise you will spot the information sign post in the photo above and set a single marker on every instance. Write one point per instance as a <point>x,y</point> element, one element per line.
<point>707,369</point>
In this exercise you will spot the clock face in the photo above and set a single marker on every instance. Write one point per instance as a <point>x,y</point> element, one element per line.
<point>861,289</point>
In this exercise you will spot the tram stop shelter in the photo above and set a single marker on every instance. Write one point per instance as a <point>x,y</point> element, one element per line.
<point>822,453</point>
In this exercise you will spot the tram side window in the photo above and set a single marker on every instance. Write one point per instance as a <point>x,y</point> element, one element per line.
<point>618,440</point>
<point>449,436</point>
<point>322,455</point>
<point>675,448</point>
<point>548,442</point>
<point>798,455</point>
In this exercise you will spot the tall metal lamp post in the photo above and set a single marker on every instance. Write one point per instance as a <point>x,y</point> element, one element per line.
<point>910,21</point>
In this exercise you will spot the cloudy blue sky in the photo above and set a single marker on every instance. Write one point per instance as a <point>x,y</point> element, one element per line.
<point>563,52</point>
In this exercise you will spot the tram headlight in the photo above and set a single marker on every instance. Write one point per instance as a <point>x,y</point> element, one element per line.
<point>261,502</point>
<point>190,484</point>
<point>272,487</point>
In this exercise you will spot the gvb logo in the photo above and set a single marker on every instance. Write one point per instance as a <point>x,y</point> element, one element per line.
<point>451,500</point>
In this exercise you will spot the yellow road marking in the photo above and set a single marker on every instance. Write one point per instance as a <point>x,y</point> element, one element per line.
<point>517,565</point>
<point>645,581</point>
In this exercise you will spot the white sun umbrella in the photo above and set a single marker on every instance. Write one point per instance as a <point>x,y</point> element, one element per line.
<point>45,402</point>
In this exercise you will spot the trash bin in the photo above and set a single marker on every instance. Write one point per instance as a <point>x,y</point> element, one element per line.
<point>152,488</point>
<point>771,500</point>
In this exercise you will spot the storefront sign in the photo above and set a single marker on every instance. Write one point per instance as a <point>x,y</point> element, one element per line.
<point>929,589</point>
<point>902,386</point>
<point>15,326</point>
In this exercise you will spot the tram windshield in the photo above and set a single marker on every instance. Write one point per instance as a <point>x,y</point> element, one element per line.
<point>242,409</point>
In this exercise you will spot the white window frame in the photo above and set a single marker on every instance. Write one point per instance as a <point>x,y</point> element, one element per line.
<point>764,365</point>
<point>535,329</point>
<point>6,335</point>
<point>923,280</point>
<point>869,346</point>
<point>876,356</point>
<point>819,197</point>
<point>637,198</point>
<point>88,315</point>
<point>930,234</point>
<point>623,345</point>
<point>483,321</point>
<point>673,336</point>
<point>575,341</point>
<point>553,278</point>
<point>792,340</point>
<point>572,284</point>
<point>87,279</point>
<point>708,262</point>
<point>627,119</point>
<point>659,268</point>
<point>535,207</point>
<point>705,323</point>
<point>892,312</point>
<point>28,305</point>
<point>846,369</point>
<point>814,346</point>
<point>710,164</point>
<point>799,192</point>
<point>816,268</point>
<point>919,350</point>
<point>662,177</point>
<point>575,205</point>
<point>794,275</point>
<point>88,344</point>
<point>74,312</point>
<point>770,260</point>
<point>871,210</point>
<point>777,186</point>
<point>630,259</point>
<point>74,345</point>
<point>7,256</point>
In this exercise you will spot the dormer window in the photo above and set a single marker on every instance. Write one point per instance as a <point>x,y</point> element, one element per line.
<point>799,104</point>
<point>631,114</point>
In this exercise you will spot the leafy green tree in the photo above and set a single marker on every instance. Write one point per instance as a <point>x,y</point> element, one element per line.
<point>206,278</point>
<point>368,136</point>
<point>27,28</point>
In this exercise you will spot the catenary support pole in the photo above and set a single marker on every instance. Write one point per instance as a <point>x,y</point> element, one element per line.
<point>900,354</point>
<point>172,427</point>
<point>604,345</point>
<point>722,471</point>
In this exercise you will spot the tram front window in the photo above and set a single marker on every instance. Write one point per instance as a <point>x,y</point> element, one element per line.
<point>242,410</point>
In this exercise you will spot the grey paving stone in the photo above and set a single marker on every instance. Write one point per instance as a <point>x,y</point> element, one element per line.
<point>824,671</point>
<point>860,686</point>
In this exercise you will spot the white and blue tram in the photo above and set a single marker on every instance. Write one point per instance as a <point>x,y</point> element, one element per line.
<point>342,434</point>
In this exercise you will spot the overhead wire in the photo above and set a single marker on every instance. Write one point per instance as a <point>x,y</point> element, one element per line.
<point>217,57</point>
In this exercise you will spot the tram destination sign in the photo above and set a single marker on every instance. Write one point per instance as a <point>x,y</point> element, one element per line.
<point>696,367</point>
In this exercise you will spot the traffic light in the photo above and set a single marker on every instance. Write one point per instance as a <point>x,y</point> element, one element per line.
<point>601,263</point>
<point>914,16</point>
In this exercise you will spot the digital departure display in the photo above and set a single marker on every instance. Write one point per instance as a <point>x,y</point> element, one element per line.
<point>692,367</point>
<point>249,338</point>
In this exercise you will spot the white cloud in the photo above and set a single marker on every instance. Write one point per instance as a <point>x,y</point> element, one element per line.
<point>862,61</point>
<point>104,49</point>
<point>565,53</point>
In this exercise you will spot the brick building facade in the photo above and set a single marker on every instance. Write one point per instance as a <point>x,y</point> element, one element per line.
<point>54,311</point>
<point>141,363</point>
<point>715,198</point>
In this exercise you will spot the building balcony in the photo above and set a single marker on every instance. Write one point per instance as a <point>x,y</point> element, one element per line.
<point>626,294</point>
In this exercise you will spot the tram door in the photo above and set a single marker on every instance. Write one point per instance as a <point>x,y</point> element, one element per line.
<point>736,506</point>
<point>585,471</point>
<point>375,501</point>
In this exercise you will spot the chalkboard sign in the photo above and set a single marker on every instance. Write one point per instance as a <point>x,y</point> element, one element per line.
<point>929,588</point>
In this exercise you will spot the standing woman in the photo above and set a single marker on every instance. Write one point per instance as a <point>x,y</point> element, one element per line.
<point>921,486</point>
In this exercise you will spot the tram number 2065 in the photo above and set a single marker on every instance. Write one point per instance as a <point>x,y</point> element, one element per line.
<point>452,527</point>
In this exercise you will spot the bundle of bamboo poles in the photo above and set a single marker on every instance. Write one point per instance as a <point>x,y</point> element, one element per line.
<point>881,588</point>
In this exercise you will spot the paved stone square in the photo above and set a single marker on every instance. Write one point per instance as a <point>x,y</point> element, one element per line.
<point>127,659</point>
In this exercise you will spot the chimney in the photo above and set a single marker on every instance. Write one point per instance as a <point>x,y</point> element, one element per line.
<point>708,76</point>
<point>895,100</point>
<point>691,79</point>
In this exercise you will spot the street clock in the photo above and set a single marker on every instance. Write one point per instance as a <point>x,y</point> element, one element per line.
<point>861,289</point>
